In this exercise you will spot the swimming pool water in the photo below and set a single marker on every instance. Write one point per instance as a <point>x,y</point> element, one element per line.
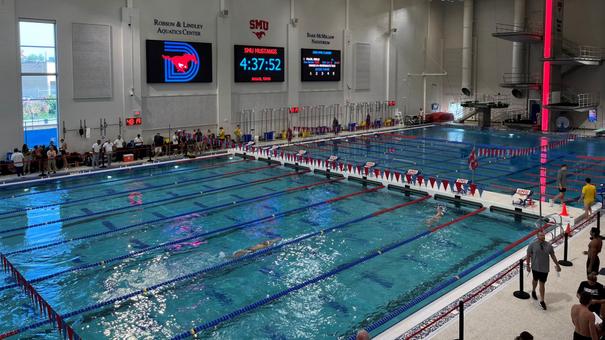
<point>100,238</point>
<point>443,152</point>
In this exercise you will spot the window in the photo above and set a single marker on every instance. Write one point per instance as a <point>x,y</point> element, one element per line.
<point>39,82</point>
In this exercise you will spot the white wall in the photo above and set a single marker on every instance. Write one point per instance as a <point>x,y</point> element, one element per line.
<point>428,39</point>
<point>11,129</point>
<point>71,110</point>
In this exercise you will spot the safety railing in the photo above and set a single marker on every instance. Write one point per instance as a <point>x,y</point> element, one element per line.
<point>581,100</point>
<point>575,50</point>
<point>305,121</point>
<point>529,28</point>
<point>521,78</point>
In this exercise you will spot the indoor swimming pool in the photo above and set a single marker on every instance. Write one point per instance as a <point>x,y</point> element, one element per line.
<point>443,152</point>
<point>224,247</point>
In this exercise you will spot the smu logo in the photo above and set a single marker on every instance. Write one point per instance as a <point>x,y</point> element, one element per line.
<point>259,28</point>
<point>180,68</point>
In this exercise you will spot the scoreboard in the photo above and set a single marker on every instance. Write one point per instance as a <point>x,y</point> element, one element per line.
<point>320,65</point>
<point>258,64</point>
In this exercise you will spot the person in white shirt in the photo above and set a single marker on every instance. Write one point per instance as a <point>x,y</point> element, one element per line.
<point>138,141</point>
<point>175,142</point>
<point>108,146</point>
<point>118,143</point>
<point>63,152</point>
<point>17,159</point>
<point>51,154</point>
<point>96,150</point>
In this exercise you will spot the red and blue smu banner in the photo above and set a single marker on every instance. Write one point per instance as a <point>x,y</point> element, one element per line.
<point>178,62</point>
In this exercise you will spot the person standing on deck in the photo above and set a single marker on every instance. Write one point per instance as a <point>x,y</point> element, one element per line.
<point>561,184</point>
<point>589,197</point>
<point>96,151</point>
<point>17,159</point>
<point>583,319</point>
<point>594,248</point>
<point>537,260</point>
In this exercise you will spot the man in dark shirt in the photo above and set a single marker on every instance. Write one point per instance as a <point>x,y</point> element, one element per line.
<point>158,142</point>
<point>537,259</point>
<point>595,289</point>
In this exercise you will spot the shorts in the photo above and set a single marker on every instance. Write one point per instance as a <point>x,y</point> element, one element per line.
<point>563,190</point>
<point>595,265</point>
<point>577,336</point>
<point>588,204</point>
<point>539,276</point>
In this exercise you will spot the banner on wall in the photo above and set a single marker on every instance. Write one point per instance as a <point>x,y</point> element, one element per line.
<point>320,65</point>
<point>178,62</point>
<point>258,64</point>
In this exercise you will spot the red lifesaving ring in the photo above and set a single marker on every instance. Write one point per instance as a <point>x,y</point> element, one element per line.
<point>135,198</point>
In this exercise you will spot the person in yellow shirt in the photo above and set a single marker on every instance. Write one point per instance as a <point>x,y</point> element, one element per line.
<point>221,136</point>
<point>238,134</point>
<point>589,196</point>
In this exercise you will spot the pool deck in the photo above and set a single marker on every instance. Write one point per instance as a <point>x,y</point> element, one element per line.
<point>499,315</point>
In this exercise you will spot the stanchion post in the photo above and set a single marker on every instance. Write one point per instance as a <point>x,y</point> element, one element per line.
<point>461,320</point>
<point>565,262</point>
<point>599,222</point>
<point>521,294</point>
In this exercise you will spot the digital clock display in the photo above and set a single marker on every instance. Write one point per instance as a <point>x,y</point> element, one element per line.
<point>320,65</point>
<point>133,121</point>
<point>257,64</point>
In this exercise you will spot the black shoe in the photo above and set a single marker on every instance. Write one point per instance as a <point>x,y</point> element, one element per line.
<point>543,305</point>
<point>533,295</point>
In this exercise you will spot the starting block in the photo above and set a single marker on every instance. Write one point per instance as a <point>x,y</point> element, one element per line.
<point>522,198</point>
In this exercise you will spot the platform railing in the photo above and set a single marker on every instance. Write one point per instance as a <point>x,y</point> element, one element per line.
<point>521,78</point>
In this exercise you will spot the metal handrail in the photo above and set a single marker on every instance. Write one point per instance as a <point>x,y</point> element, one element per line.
<point>520,78</point>
<point>530,28</point>
<point>576,50</point>
<point>585,99</point>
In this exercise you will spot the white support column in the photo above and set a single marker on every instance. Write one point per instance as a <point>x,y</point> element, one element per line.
<point>467,45</point>
<point>224,67</point>
<point>11,129</point>
<point>293,69</point>
<point>347,68</point>
<point>387,61</point>
<point>518,47</point>
<point>131,58</point>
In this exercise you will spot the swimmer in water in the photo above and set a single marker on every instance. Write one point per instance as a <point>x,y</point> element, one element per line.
<point>438,215</point>
<point>260,246</point>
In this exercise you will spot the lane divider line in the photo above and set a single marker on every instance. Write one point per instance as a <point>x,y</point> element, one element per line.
<point>316,279</point>
<point>136,204</point>
<point>164,245</point>
<point>214,267</point>
<point>117,193</point>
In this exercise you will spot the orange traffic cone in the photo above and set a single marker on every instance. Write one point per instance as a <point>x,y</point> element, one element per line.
<point>564,211</point>
<point>568,230</point>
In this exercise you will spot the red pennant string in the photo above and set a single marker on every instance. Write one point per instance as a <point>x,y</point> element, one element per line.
<point>445,182</point>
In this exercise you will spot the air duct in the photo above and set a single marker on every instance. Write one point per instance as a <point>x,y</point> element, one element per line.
<point>467,47</point>
<point>518,47</point>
